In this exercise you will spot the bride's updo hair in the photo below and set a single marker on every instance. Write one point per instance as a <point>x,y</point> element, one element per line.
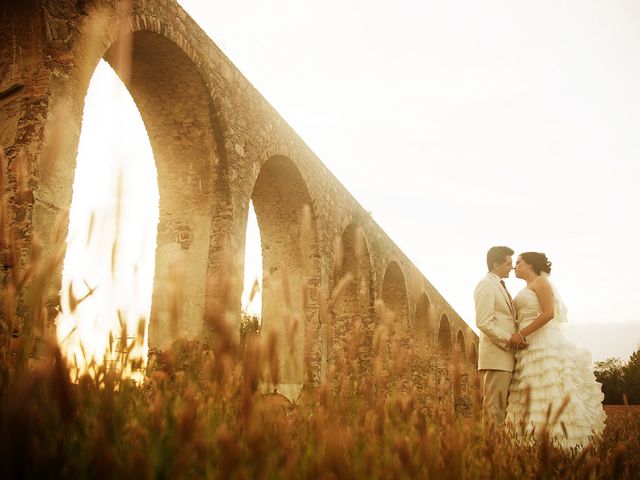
<point>538,261</point>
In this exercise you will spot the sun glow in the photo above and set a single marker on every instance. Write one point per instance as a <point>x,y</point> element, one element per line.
<point>252,291</point>
<point>110,259</point>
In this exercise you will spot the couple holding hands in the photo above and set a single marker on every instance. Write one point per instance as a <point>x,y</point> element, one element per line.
<point>533,378</point>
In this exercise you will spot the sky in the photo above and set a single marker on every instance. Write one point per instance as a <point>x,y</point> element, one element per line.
<point>461,124</point>
<point>104,252</point>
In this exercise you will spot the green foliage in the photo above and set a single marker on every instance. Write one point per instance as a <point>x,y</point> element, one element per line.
<point>609,374</point>
<point>631,375</point>
<point>620,381</point>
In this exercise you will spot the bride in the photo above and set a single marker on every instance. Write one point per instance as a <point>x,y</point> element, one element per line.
<point>553,387</point>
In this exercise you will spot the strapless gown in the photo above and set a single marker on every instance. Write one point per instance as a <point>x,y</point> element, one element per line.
<point>547,372</point>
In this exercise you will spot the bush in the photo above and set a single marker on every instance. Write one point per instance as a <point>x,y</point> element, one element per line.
<point>609,374</point>
<point>620,381</point>
<point>631,377</point>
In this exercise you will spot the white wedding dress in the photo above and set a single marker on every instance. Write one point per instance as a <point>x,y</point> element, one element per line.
<point>549,370</point>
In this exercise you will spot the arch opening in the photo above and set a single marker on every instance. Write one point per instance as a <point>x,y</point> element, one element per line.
<point>459,351</point>
<point>423,324</point>
<point>444,338</point>
<point>251,310</point>
<point>473,356</point>
<point>185,137</point>
<point>443,363</point>
<point>109,262</point>
<point>394,295</point>
<point>290,270</point>
<point>460,384</point>
<point>422,343</point>
<point>352,285</point>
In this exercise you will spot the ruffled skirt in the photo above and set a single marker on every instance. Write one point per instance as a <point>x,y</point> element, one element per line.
<point>553,390</point>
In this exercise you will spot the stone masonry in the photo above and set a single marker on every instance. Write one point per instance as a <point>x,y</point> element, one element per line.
<point>217,144</point>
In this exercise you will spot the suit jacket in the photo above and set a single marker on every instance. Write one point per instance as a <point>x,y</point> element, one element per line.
<point>495,317</point>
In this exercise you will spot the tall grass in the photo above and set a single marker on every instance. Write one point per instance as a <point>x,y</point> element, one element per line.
<point>201,413</point>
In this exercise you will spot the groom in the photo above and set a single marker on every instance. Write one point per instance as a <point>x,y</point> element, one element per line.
<point>495,317</point>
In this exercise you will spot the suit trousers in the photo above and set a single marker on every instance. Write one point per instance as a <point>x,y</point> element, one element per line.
<point>495,388</point>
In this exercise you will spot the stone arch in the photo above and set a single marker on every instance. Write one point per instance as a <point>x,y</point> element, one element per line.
<point>185,133</point>
<point>461,376</point>
<point>473,355</point>
<point>353,290</point>
<point>444,338</point>
<point>459,351</point>
<point>394,295</point>
<point>443,363</point>
<point>423,323</point>
<point>290,268</point>
<point>184,130</point>
<point>422,344</point>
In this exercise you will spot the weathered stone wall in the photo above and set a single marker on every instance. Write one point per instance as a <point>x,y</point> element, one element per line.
<point>217,144</point>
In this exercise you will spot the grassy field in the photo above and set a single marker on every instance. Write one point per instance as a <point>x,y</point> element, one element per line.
<point>202,416</point>
<point>201,412</point>
<point>615,411</point>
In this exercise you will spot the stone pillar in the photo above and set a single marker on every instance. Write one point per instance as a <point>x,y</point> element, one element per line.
<point>176,107</point>
<point>39,130</point>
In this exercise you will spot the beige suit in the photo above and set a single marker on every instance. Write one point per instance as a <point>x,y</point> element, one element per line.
<point>495,317</point>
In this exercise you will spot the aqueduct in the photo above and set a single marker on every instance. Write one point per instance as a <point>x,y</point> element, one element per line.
<point>217,144</point>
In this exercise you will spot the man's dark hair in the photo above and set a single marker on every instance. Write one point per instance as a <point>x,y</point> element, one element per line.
<point>497,255</point>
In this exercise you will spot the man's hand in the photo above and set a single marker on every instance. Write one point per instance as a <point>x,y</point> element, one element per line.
<point>518,342</point>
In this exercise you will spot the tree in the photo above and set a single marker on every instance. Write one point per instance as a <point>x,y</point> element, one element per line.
<point>631,377</point>
<point>610,374</point>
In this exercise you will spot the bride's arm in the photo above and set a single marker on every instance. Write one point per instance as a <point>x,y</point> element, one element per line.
<point>543,291</point>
